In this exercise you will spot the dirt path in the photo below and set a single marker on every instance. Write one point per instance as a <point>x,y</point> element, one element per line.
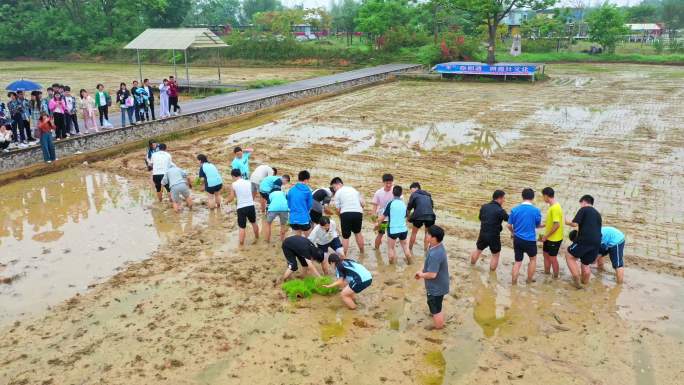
<point>202,311</point>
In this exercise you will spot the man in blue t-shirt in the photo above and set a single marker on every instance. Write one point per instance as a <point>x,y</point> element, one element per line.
<point>395,214</point>
<point>523,222</point>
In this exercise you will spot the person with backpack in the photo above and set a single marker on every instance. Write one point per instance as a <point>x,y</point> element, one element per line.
<point>126,104</point>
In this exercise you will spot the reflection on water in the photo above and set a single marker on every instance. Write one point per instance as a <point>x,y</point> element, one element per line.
<point>485,312</point>
<point>467,136</point>
<point>437,364</point>
<point>61,232</point>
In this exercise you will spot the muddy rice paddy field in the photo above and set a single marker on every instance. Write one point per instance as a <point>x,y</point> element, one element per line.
<point>105,286</point>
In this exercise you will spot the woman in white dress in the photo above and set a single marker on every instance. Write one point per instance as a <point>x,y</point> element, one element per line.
<point>164,99</point>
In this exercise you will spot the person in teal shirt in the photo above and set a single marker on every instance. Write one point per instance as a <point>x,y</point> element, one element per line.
<point>277,208</point>
<point>395,213</point>
<point>352,278</point>
<point>213,183</point>
<point>613,244</point>
<point>241,161</point>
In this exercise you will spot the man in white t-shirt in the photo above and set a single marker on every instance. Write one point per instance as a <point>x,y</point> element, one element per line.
<point>380,200</point>
<point>262,171</point>
<point>350,204</point>
<point>161,161</point>
<point>241,190</point>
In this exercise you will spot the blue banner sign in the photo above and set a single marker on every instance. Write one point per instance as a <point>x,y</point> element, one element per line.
<point>472,68</point>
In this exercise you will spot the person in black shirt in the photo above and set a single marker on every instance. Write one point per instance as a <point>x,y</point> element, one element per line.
<point>586,246</point>
<point>491,216</point>
<point>298,248</point>
<point>421,213</point>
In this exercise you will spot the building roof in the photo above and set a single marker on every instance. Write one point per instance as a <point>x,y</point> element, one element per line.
<point>643,27</point>
<point>176,38</point>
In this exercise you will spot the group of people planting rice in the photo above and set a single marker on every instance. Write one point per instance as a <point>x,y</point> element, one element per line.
<point>311,213</point>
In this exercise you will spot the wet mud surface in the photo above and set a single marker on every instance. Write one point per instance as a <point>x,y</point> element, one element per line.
<point>201,310</point>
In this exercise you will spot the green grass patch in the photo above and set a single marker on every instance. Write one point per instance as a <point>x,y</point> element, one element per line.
<point>265,83</point>
<point>305,288</point>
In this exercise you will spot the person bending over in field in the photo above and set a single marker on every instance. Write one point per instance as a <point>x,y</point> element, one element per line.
<point>298,248</point>
<point>325,237</point>
<point>585,247</point>
<point>352,278</point>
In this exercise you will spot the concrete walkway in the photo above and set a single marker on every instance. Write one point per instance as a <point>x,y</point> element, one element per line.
<point>238,97</point>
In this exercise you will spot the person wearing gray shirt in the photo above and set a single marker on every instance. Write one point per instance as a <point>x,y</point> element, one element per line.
<point>179,183</point>
<point>435,272</point>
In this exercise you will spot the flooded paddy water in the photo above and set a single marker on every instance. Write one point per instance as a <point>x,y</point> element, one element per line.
<point>200,310</point>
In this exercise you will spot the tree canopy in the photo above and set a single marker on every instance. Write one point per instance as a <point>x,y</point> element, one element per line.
<point>607,26</point>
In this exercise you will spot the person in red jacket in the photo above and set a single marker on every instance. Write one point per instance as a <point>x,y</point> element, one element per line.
<point>173,96</point>
<point>45,127</point>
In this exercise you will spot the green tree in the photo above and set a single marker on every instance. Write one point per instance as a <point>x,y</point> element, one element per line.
<point>166,13</point>
<point>541,26</point>
<point>344,17</point>
<point>491,13</point>
<point>377,16</point>
<point>279,22</point>
<point>607,26</point>
<point>214,12</point>
<point>251,7</point>
<point>672,14</point>
<point>642,13</point>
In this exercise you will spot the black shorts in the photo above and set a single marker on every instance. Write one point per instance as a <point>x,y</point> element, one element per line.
<point>401,236</point>
<point>244,214</point>
<point>334,245</point>
<point>292,259</point>
<point>522,247</point>
<point>295,226</point>
<point>435,303</point>
<point>315,216</point>
<point>359,287</point>
<point>493,241</point>
<point>418,223</point>
<point>351,223</point>
<point>552,247</point>
<point>157,179</point>
<point>586,253</point>
<point>213,189</point>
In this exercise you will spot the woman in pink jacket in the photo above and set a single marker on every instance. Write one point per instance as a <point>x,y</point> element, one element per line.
<point>58,108</point>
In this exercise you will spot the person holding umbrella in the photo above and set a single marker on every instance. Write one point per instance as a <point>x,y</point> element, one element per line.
<point>20,109</point>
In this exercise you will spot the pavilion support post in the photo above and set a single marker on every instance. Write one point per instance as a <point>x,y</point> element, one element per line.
<point>218,64</point>
<point>175,71</point>
<point>187,72</point>
<point>137,51</point>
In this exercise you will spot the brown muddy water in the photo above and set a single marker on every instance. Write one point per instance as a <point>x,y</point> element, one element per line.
<point>200,310</point>
<point>65,231</point>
